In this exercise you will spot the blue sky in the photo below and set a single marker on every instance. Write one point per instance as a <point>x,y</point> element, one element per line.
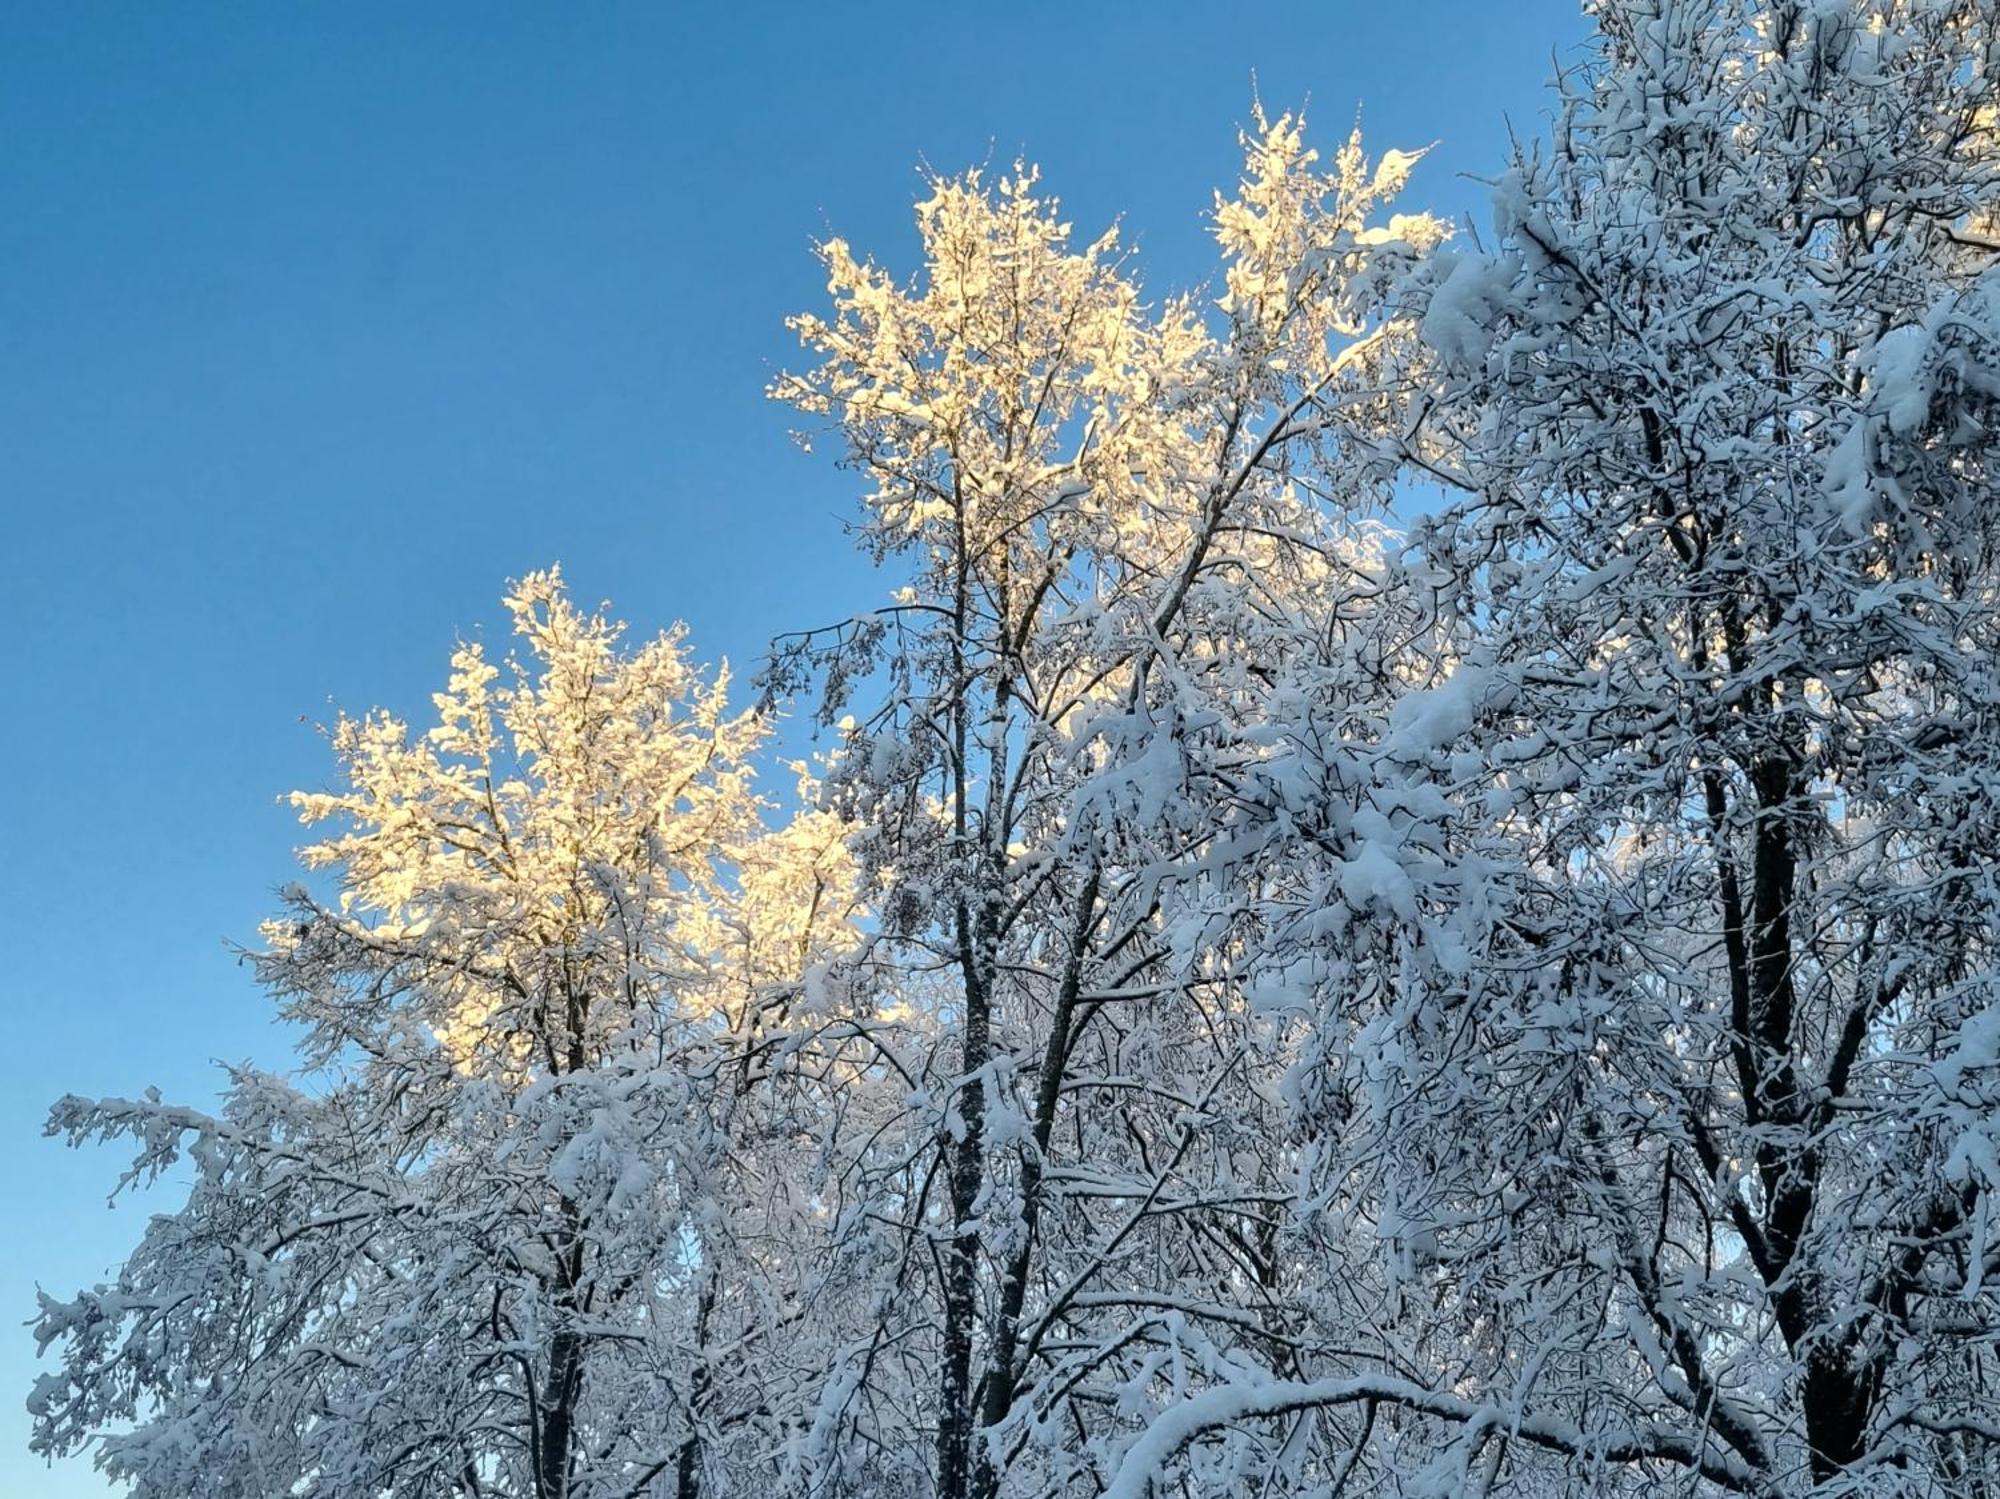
<point>318,323</point>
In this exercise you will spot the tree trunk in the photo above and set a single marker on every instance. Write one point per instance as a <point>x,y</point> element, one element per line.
<point>956,1416</point>
<point>558,1412</point>
<point>687,1462</point>
<point>997,1392</point>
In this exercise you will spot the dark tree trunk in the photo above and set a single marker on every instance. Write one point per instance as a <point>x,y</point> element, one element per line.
<point>687,1462</point>
<point>956,1415</point>
<point>558,1416</point>
<point>997,1393</point>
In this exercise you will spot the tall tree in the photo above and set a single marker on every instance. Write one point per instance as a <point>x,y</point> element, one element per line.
<point>1100,506</point>
<point>1655,980</point>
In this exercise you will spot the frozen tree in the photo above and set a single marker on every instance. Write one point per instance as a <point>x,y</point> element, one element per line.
<point>479,1246</point>
<point>1652,979</point>
<point>1107,515</point>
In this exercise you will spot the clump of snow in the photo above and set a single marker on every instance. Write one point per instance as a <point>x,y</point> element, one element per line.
<point>1426,721</point>
<point>1460,319</point>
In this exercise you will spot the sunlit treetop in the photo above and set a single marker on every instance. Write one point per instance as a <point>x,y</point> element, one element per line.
<point>530,867</point>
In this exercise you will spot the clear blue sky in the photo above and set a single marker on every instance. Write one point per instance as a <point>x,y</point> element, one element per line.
<point>317,323</point>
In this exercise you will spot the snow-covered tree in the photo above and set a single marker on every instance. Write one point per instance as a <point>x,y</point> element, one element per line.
<point>1106,514</point>
<point>1653,980</point>
<point>509,1232</point>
